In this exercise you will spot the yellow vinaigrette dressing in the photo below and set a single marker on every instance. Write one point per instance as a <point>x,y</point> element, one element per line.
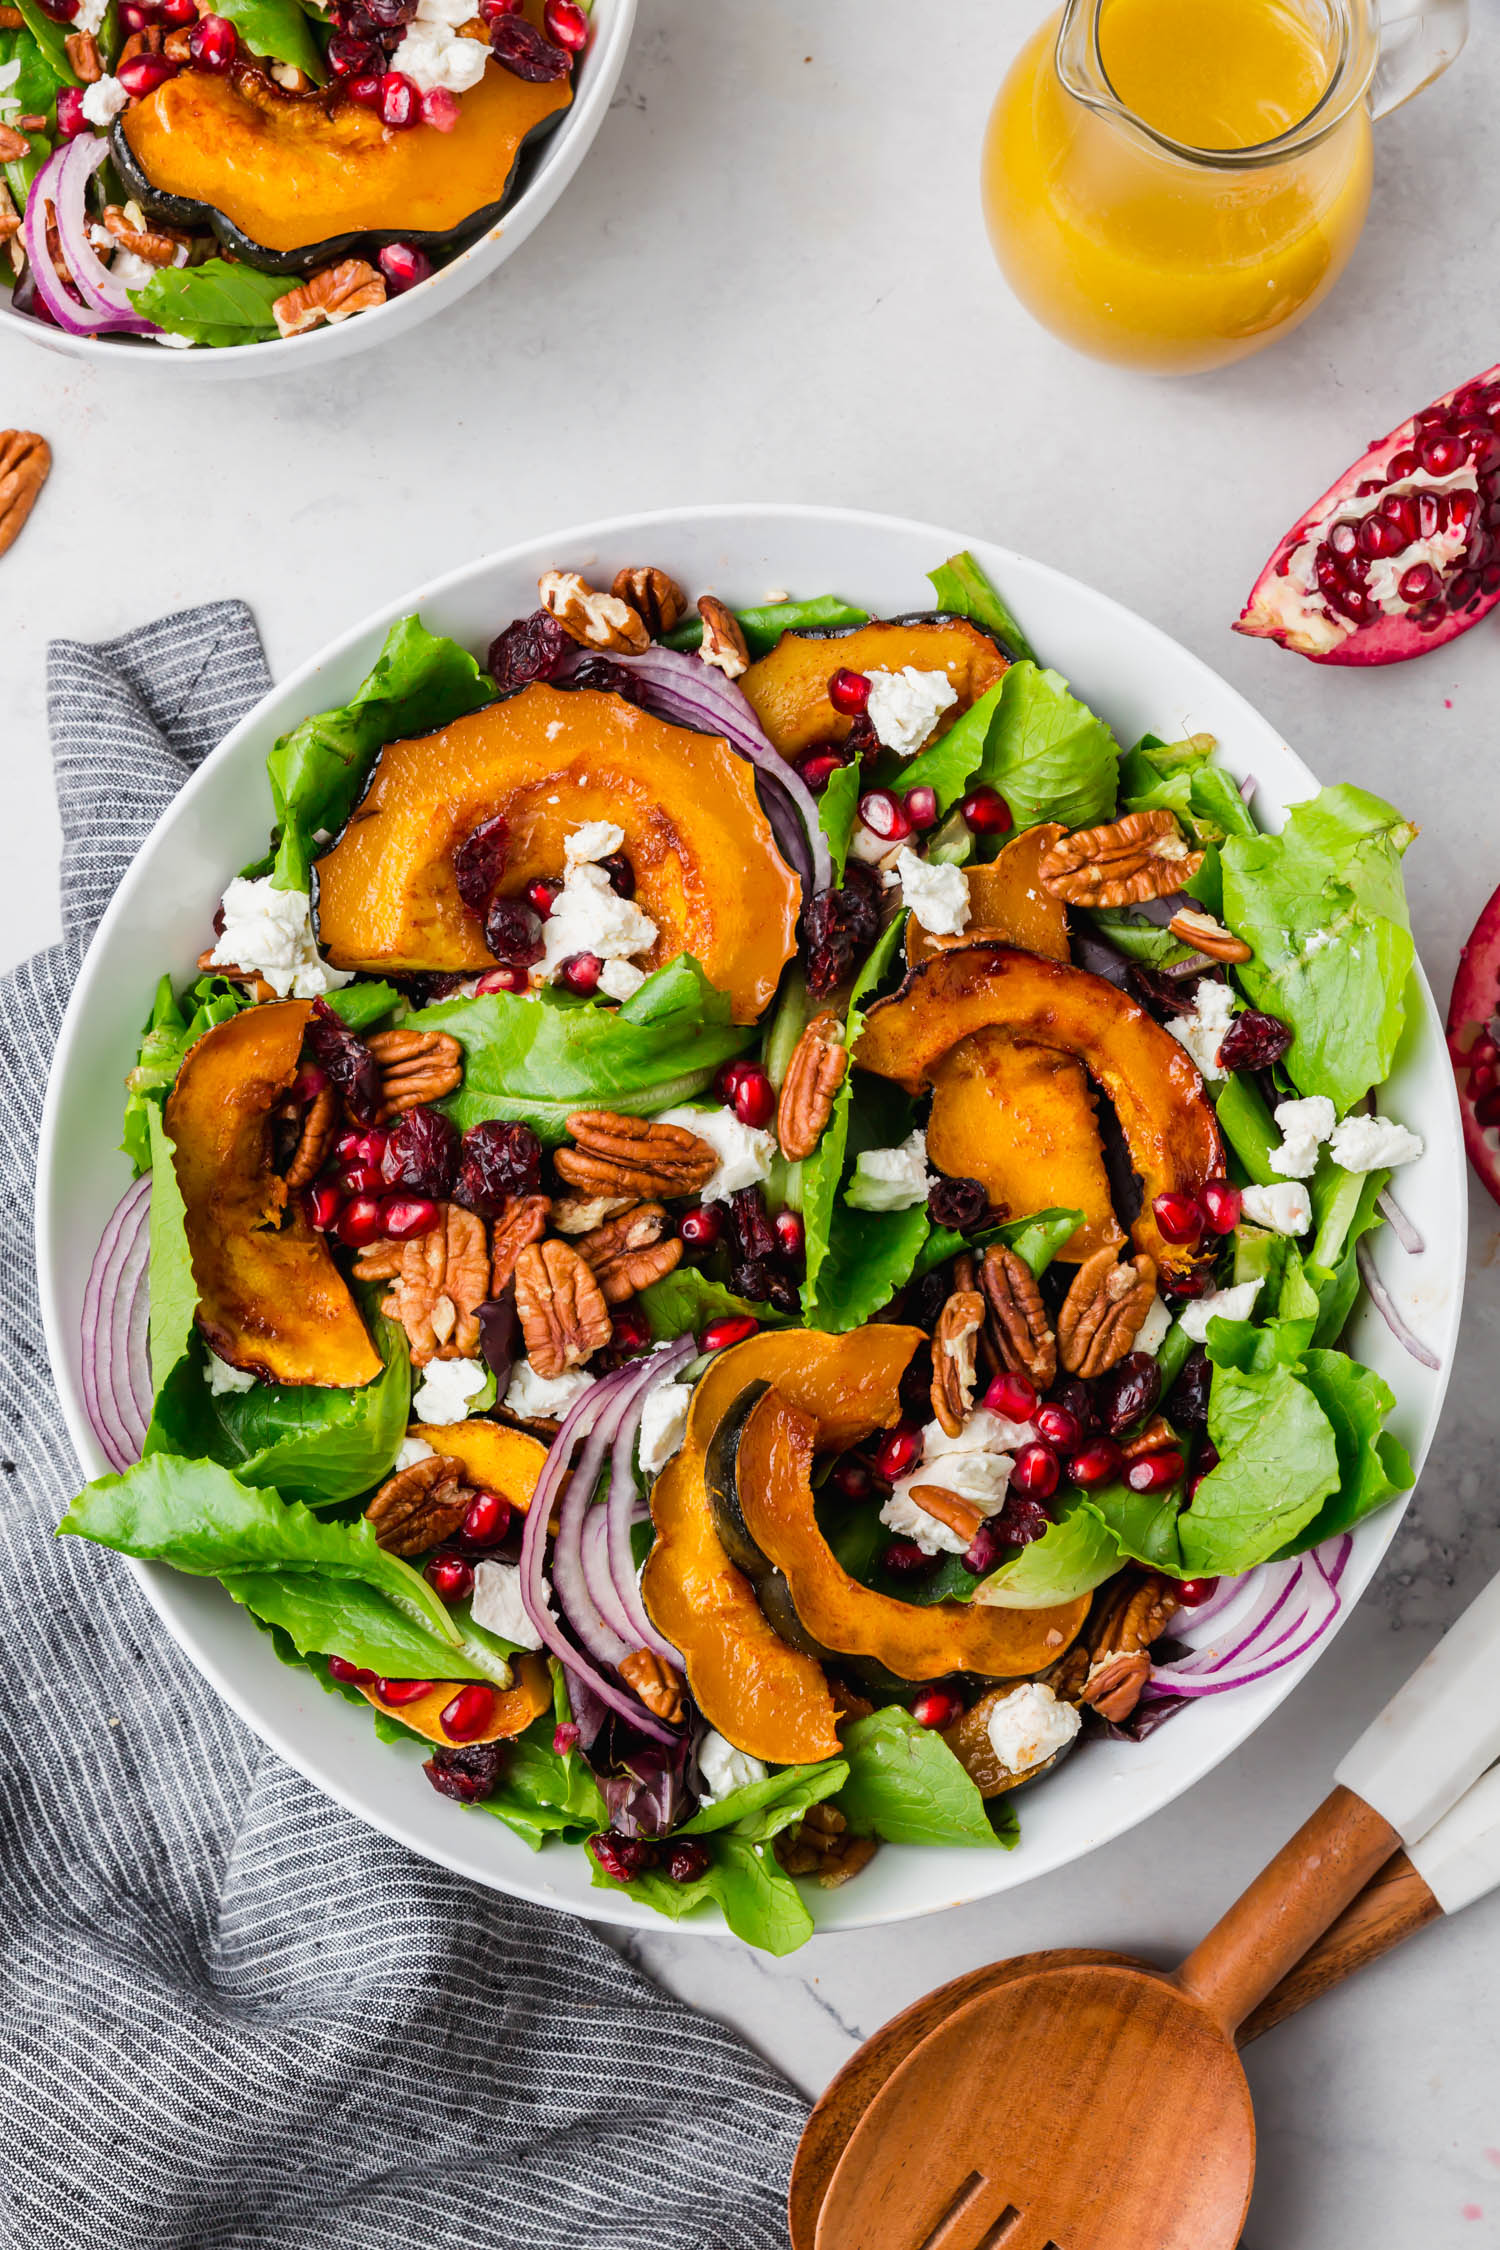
<point>1183,256</point>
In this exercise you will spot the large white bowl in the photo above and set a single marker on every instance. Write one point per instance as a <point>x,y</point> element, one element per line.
<point>1140,680</point>
<point>548,172</point>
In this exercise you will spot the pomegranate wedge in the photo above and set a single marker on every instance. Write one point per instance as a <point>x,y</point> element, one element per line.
<point>1401,554</point>
<point>1472,1026</point>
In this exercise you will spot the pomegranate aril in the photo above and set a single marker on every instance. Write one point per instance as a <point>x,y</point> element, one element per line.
<point>1344,538</point>
<point>1178,1215</point>
<point>733,1328</point>
<point>566,1736</point>
<point>1487,1110</point>
<point>984,1551</point>
<point>884,815</point>
<point>903,1558</point>
<point>469,1713</point>
<point>852,1478</point>
<point>1036,1472</point>
<point>631,1328</point>
<point>817,767</point>
<point>985,812</point>
<point>935,1708</point>
<point>404,266</point>
<point>360,1222</point>
<point>400,103</point>
<point>61,11</point>
<point>440,109</point>
<point>486,1521</point>
<point>849,692</point>
<point>897,1452</point>
<point>753,1098</point>
<point>450,1577</point>
<point>1377,537</point>
<point>398,1693</point>
<point>507,978</point>
<point>1098,1463</point>
<point>309,1082</point>
<point>543,893</point>
<point>581,973</point>
<point>1153,1472</point>
<point>703,1226</point>
<point>921,806</point>
<point>70,118</point>
<point>144,73</point>
<point>1194,1592</point>
<point>321,1205</point>
<point>1418,584</point>
<point>1014,1396</point>
<point>214,43</point>
<point>1401,465</point>
<point>1440,456</point>
<point>1221,1201</point>
<point>567,24</point>
<point>362,1179</point>
<point>365,89</point>
<point>791,1236</point>
<point>405,1217</point>
<point>1058,1428</point>
<point>352,1675</point>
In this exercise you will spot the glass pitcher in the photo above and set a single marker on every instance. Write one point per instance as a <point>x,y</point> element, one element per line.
<point>1173,183</point>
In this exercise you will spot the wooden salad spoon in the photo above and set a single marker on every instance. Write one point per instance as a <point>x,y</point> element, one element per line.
<point>1073,2100</point>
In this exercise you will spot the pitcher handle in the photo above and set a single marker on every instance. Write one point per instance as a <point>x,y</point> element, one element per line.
<point>1418,40</point>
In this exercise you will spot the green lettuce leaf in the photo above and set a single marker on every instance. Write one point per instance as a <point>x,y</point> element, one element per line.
<point>342,1617</point>
<point>1324,907</point>
<point>763,1808</point>
<point>688,1299</point>
<point>221,303</point>
<point>948,765</point>
<point>836,811</point>
<point>906,1785</point>
<point>1047,754</point>
<point>1277,1465</point>
<point>545,1792</point>
<point>173,1291</point>
<point>278,28</point>
<point>823,1299</point>
<point>1373,1465</point>
<point>1037,1240</point>
<point>47,36</point>
<point>170,1030</point>
<point>420,682</point>
<point>1072,1557</point>
<point>964,589</point>
<point>758,1899</point>
<point>537,1057</point>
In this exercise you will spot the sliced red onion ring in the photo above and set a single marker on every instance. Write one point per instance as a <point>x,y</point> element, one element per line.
<point>681,687</point>
<point>1407,1234</point>
<point>96,284</point>
<point>594,1551</point>
<point>61,183</point>
<point>621,1505</point>
<point>1293,1605</point>
<point>1248,788</point>
<point>569,1578</point>
<point>1385,1305</point>
<point>116,1373</point>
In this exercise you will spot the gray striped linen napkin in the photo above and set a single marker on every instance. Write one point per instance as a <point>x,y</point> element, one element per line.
<point>229,2013</point>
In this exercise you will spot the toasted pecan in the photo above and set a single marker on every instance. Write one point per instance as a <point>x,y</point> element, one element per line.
<point>1018,1318</point>
<point>1103,1310</point>
<point>960,1515</point>
<point>1196,928</point>
<point>723,644</point>
<point>338,291</point>
<point>659,1685</point>
<point>415,1067</point>
<point>820,1844</point>
<point>594,619</point>
<point>82,51</point>
<point>443,1281</point>
<point>562,1310</point>
<point>628,1253</point>
<point>25,460</point>
<point>1129,1614</point>
<point>953,1361</point>
<point>258,987</point>
<point>419,1507</point>
<point>635,1156</point>
<point>522,1222</point>
<point>1121,863</point>
<point>158,246</point>
<point>319,1124</point>
<point>653,594</point>
<point>819,1065</point>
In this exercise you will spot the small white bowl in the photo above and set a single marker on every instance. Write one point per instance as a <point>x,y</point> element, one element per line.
<point>557,159</point>
<point>1127,670</point>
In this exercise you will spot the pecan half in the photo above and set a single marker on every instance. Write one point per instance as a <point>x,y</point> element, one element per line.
<point>319,1124</point>
<point>1019,1324</point>
<point>1143,856</point>
<point>951,1508</point>
<point>819,1065</point>
<point>379,1261</point>
<point>633,1156</point>
<point>25,460</point>
<point>659,1685</point>
<point>332,295</point>
<point>415,1067</point>
<point>1102,1311</point>
<point>562,1311</point>
<point>255,984</point>
<point>953,1369</point>
<point>11,19</point>
<point>820,1844</point>
<point>723,644</point>
<point>13,145</point>
<point>421,1506</point>
<point>443,1281</point>
<point>629,1253</point>
<point>656,598</point>
<point>82,51</point>
<point>1196,928</point>
<point>581,1214</point>
<point>593,619</point>
<point>157,245</point>
<point>522,1222</point>
<point>10,218</point>
<point>1129,1614</point>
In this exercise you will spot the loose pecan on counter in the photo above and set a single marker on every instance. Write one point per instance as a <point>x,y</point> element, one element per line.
<point>415,1067</point>
<point>1103,1310</point>
<point>1122,863</point>
<point>420,1507</point>
<point>634,1156</point>
<point>562,1311</point>
<point>591,618</point>
<point>25,460</point>
<point>627,1254</point>
<point>819,1065</point>
<point>1018,1318</point>
<point>953,1368</point>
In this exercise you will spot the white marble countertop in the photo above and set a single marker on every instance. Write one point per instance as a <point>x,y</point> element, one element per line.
<point>771,281</point>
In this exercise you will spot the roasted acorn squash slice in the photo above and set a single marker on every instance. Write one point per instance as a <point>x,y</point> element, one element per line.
<point>1166,1118</point>
<point>293,181</point>
<point>768,1465</point>
<point>706,865</point>
<point>528,1696</point>
<point>495,1457</point>
<point>789,687</point>
<point>764,1695</point>
<point>270,1298</point>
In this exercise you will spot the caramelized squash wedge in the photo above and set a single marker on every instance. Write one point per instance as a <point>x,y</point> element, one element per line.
<point>1007,904</point>
<point>770,1467</point>
<point>289,182</point>
<point>495,1457</point>
<point>789,687</point>
<point>707,869</point>
<point>1167,1119</point>
<point>270,1298</point>
<point>528,1696</point>
<point>764,1695</point>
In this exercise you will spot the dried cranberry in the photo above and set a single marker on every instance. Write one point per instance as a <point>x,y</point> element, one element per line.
<point>1253,1041</point>
<point>621,875</point>
<point>499,1326</point>
<point>750,1225</point>
<point>622,1857</point>
<point>1205,1460</point>
<point>752,1279</point>
<point>479,862</point>
<point>1024,1518</point>
<point>1078,1397</point>
<point>1189,1394</point>
<point>1014,1396</point>
<point>521,48</point>
<point>469,1775</point>
<point>1164,996</point>
<point>1130,1390</point>
<point>958,1203</point>
<point>935,1707</point>
<point>903,1558</point>
<point>605,678</point>
<point>926,1297</point>
<point>533,648</point>
<point>840,928</point>
<point>686,1861</point>
<point>348,1061</point>
<point>390,15</point>
<point>513,933</point>
<point>421,1153</point>
<point>498,1160</point>
<point>983,1552</point>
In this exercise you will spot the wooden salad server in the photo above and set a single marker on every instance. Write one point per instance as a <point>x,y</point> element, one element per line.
<point>1087,2101</point>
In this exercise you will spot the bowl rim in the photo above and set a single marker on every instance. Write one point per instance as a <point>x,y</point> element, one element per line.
<point>558,159</point>
<point>447,1844</point>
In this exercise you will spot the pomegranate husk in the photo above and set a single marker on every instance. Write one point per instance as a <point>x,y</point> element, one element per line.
<point>1471,1013</point>
<point>1436,475</point>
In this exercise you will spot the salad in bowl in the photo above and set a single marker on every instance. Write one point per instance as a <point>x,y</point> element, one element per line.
<point>184,176</point>
<point>746,1232</point>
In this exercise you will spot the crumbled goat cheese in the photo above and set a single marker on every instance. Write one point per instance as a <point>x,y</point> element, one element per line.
<point>533,1398</point>
<point>938,895</point>
<point>103,101</point>
<point>1221,1304</point>
<point>1303,1125</point>
<point>447,1388</point>
<point>1203,1031</point>
<point>891,1179</point>
<point>1152,1333</point>
<point>90,16</point>
<point>592,840</point>
<point>975,1465</point>
<point>588,916</point>
<point>1029,1726</point>
<point>221,1377</point>
<point>433,56</point>
<point>413,1450</point>
<point>1368,1144</point>
<point>496,1604</point>
<point>722,1769</point>
<point>905,706</point>
<point>745,1152</point>
<point>663,1424</point>
<point>270,933</point>
<point>621,980</point>
<point>872,850</point>
<point>1285,1208</point>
